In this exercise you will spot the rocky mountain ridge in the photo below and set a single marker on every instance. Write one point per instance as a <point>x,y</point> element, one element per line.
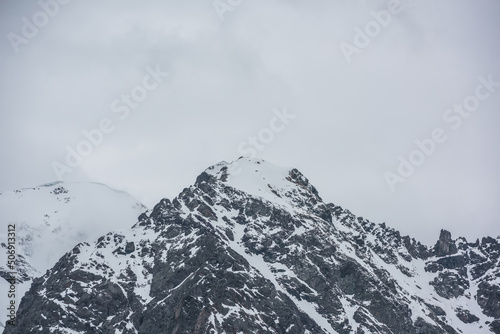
<point>50,219</point>
<point>254,249</point>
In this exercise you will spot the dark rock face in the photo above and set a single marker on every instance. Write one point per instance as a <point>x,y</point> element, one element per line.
<point>466,316</point>
<point>450,285</point>
<point>22,268</point>
<point>217,259</point>
<point>488,297</point>
<point>445,245</point>
<point>495,326</point>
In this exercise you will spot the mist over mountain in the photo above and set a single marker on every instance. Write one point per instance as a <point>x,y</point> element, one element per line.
<point>51,219</point>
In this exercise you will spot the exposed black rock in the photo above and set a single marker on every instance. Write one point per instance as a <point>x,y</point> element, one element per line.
<point>495,326</point>
<point>466,316</point>
<point>445,245</point>
<point>488,297</point>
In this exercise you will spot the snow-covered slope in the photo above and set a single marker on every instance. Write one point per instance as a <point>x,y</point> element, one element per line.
<point>252,248</point>
<point>51,219</point>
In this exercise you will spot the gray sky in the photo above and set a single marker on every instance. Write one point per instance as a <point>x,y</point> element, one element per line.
<point>361,92</point>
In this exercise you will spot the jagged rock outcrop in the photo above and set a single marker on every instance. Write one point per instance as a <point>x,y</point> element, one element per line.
<point>445,245</point>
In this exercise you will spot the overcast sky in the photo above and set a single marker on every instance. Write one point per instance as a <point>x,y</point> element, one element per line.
<point>354,89</point>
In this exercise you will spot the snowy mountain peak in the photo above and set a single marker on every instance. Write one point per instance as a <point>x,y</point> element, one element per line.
<point>262,179</point>
<point>252,248</point>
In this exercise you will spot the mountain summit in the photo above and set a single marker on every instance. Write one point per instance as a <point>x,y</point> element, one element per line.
<point>252,248</point>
